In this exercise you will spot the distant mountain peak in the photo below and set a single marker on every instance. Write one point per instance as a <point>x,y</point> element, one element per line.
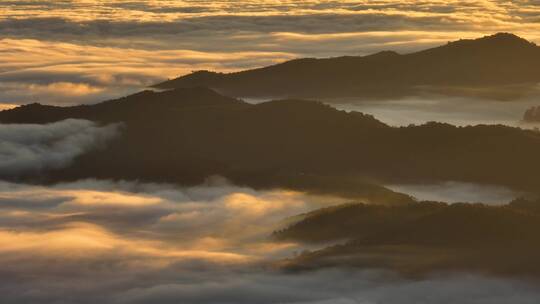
<point>204,73</point>
<point>196,95</point>
<point>486,62</point>
<point>498,40</point>
<point>506,37</point>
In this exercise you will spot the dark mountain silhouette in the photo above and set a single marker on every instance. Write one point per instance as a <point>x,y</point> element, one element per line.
<point>456,68</point>
<point>186,135</point>
<point>420,238</point>
<point>143,106</point>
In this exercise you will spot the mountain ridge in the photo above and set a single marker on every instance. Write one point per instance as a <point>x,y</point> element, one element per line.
<point>490,61</point>
<point>185,135</point>
<point>421,238</point>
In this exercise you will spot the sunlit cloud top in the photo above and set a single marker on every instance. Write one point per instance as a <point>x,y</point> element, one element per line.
<point>505,12</point>
<point>70,52</point>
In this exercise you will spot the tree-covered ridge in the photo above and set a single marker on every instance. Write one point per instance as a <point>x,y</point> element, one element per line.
<point>422,238</point>
<point>186,135</point>
<point>481,66</point>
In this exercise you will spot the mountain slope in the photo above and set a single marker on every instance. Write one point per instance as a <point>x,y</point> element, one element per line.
<point>422,238</point>
<point>145,105</point>
<point>186,135</point>
<point>492,61</point>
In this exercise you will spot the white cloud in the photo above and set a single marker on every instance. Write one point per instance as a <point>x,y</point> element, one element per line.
<point>101,241</point>
<point>456,192</point>
<point>28,148</point>
<point>137,43</point>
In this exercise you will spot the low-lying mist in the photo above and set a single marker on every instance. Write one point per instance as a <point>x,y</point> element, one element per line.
<point>126,242</point>
<point>458,192</point>
<point>460,111</point>
<point>104,241</point>
<point>27,148</point>
<point>149,223</point>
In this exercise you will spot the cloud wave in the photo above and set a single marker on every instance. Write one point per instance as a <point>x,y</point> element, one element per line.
<point>126,242</point>
<point>28,148</point>
<point>132,44</point>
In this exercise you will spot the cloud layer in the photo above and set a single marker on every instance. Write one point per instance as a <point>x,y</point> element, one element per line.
<point>26,148</point>
<point>456,192</point>
<point>126,242</point>
<point>86,51</point>
<point>459,111</point>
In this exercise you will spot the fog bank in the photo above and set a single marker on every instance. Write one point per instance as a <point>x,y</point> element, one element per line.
<point>459,111</point>
<point>96,241</point>
<point>454,192</point>
<point>30,147</point>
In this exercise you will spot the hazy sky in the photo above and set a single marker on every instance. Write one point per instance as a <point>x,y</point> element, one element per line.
<point>86,51</point>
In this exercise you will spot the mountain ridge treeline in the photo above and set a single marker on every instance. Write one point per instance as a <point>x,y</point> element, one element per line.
<point>186,135</point>
<point>482,67</point>
<point>422,238</point>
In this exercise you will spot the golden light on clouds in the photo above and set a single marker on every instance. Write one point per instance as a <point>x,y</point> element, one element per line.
<point>259,206</point>
<point>116,241</point>
<point>87,51</point>
<point>99,198</point>
<point>88,241</point>
<point>77,237</point>
<point>87,220</point>
<point>7,106</point>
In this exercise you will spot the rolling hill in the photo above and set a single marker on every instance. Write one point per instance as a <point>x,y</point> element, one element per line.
<point>491,66</point>
<point>186,135</point>
<point>422,238</point>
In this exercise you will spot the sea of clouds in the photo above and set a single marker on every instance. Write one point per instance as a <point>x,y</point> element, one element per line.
<point>29,148</point>
<point>70,52</point>
<point>103,241</point>
<point>126,242</point>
